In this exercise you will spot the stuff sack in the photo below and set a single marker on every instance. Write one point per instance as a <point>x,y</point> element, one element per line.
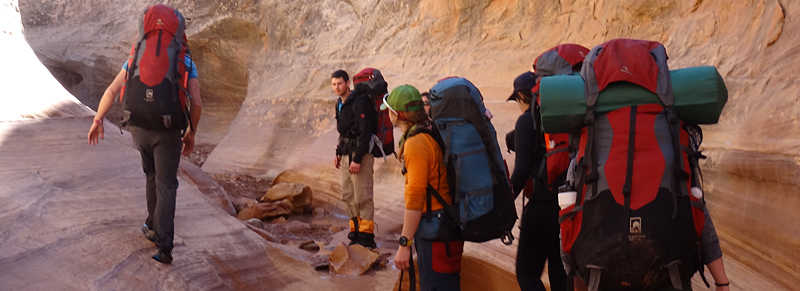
<point>700,95</point>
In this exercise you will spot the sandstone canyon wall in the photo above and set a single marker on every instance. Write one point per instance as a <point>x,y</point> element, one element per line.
<point>265,68</point>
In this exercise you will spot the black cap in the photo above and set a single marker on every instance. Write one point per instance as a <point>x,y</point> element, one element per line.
<point>524,83</point>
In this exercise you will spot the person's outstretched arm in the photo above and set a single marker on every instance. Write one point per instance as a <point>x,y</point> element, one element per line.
<point>717,269</point>
<point>712,253</point>
<point>96,131</point>
<point>195,112</point>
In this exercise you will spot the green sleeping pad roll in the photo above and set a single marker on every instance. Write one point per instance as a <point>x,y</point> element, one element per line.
<point>700,95</point>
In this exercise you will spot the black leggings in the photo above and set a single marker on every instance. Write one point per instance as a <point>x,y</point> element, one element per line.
<point>539,241</point>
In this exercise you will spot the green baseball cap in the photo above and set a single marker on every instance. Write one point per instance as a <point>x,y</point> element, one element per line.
<point>404,98</point>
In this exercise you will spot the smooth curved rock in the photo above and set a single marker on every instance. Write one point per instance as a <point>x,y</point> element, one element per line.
<point>286,118</point>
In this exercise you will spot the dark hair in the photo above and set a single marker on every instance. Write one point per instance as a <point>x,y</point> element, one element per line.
<point>526,97</point>
<point>340,74</point>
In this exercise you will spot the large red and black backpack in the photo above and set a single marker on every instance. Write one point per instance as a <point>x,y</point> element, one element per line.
<point>155,95</point>
<point>564,59</point>
<point>384,134</point>
<point>634,225</point>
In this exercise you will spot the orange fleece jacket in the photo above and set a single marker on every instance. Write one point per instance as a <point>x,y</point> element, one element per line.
<point>423,158</point>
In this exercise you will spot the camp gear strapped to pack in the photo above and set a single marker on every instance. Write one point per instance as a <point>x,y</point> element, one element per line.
<point>633,226</point>
<point>700,95</point>
<point>155,94</point>
<point>384,135</point>
<point>483,207</point>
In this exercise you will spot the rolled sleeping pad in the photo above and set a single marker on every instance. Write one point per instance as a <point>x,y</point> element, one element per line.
<point>700,95</point>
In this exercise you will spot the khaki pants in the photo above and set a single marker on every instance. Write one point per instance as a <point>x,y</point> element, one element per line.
<point>357,192</point>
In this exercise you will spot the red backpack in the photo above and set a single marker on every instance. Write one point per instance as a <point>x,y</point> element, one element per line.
<point>634,225</point>
<point>155,95</point>
<point>563,59</point>
<point>384,135</point>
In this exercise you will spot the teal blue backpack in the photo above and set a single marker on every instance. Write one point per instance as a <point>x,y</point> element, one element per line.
<point>483,207</point>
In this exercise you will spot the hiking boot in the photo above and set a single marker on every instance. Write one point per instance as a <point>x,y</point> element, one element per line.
<point>367,240</point>
<point>354,237</point>
<point>164,257</point>
<point>149,233</point>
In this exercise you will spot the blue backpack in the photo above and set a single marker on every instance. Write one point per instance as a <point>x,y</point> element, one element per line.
<point>483,206</point>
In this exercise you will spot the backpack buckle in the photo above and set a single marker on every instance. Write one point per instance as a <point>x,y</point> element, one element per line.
<point>167,121</point>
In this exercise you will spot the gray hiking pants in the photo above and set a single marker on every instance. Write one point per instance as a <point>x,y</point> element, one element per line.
<point>161,154</point>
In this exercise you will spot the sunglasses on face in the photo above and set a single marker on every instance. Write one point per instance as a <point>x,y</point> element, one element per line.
<point>386,102</point>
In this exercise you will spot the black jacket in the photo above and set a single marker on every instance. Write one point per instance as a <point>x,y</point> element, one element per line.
<point>356,122</point>
<point>530,149</point>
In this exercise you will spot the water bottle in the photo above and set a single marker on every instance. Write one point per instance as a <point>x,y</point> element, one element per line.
<point>566,196</point>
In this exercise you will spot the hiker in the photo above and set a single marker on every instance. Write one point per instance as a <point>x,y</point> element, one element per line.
<point>538,238</point>
<point>538,159</point>
<point>357,122</point>
<point>421,154</point>
<point>158,133</point>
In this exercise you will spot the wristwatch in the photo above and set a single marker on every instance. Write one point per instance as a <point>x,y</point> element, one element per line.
<point>404,241</point>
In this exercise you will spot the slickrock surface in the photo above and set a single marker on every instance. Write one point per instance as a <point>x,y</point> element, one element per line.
<point>265,68</point>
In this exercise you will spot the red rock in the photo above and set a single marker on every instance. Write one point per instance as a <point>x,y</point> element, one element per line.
<point>352,260</point>
<point>298,195</point>
<point>265,210</point>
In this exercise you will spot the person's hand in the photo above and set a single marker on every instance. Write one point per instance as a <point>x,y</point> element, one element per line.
<point>355,168</point>
<point>96,131</point>
<point>402,257</point>
<point>337,161</point>
<point>188,143</point>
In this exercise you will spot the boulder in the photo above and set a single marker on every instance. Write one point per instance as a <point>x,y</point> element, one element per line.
<point>242,203</point>
<point>310,246</point>
<point>352,260</point>
<point>265,210</point>
<point>298,195</point>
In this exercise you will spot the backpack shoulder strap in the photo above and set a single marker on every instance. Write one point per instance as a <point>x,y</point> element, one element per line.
<point>449,209</point>
<point>664,89</point>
